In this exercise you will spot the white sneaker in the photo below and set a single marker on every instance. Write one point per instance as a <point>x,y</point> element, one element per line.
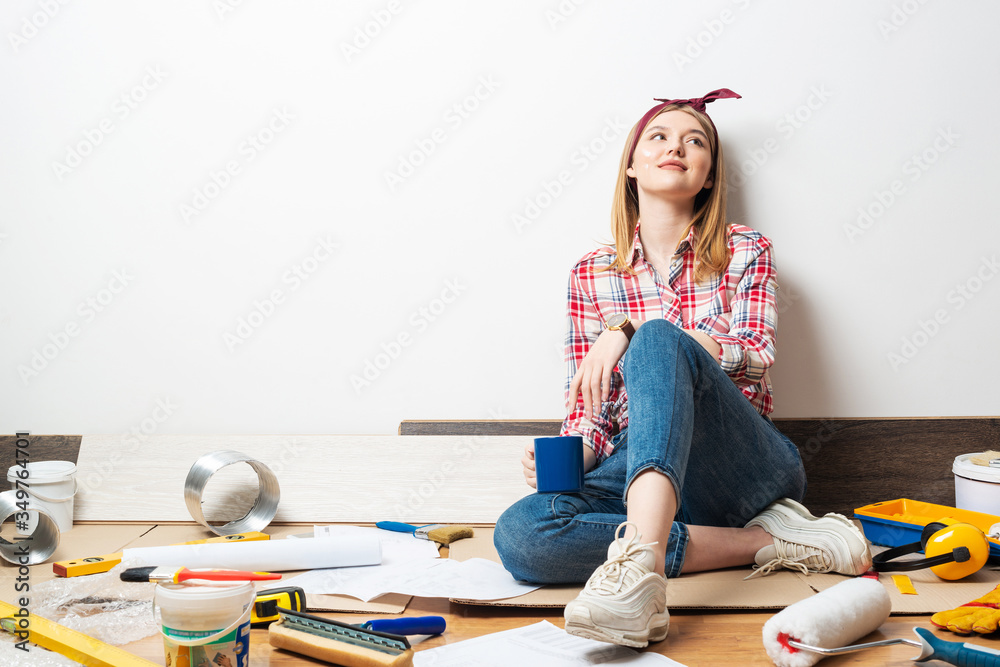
<point>624,602</point>
<point>803,542</point>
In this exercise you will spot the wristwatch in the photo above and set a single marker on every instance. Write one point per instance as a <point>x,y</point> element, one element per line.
<point>621,322</point>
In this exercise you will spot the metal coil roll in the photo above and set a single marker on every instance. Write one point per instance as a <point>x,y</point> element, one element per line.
<point>264,508</point>
<point>34,548</point>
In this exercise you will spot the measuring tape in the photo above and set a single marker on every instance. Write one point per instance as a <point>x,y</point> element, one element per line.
<point>265,606</point>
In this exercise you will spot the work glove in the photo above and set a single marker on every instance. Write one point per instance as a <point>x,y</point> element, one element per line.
<point>980,616</point>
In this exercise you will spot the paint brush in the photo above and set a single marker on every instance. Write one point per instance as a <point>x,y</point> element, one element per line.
<point>175,575</point>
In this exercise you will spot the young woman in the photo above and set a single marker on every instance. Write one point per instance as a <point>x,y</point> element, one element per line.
<point>671,334</point>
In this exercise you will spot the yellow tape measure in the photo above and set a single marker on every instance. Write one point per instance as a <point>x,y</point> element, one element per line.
<point>70,643</point>
<point>265,606</point>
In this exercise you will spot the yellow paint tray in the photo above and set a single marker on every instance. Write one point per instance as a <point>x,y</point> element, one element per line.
<point>893,523</point>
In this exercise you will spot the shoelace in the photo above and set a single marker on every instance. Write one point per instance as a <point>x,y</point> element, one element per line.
<point>619,571</point>
<point>808,559</point>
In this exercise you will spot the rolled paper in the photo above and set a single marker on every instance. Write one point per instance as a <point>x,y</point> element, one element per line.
<point>269,556</point>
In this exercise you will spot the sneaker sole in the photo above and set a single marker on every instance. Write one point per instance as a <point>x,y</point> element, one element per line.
<point>580,625</point>
<point>786,508</point>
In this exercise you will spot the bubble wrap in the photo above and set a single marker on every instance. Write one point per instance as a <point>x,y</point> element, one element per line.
<point>100,605</point>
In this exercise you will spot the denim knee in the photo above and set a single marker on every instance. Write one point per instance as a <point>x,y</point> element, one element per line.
<point>515,537</point>
<point>654,334</point>
<point>655,338</point>
<point>656,328</point>
<point>533,538</point>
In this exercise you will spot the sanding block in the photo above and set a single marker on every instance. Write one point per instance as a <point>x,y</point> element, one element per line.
<point>339,643</point>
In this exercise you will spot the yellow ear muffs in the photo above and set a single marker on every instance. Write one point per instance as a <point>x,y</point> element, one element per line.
<point>954,550</point>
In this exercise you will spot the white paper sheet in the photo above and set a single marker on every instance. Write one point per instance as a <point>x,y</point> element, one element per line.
<point>396,547</point>
<point>541,644</point>
<point>473,579</point>
<point>265,555</point>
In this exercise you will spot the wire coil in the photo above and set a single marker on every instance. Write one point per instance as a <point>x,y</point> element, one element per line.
<point>34,548</point>
<point>264,508</point>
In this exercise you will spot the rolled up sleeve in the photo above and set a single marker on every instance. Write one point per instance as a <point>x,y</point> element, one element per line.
<point>748,348</point>
<point>584,325</point>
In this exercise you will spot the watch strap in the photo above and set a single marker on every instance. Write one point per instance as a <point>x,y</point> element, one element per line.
<point>626,328</point>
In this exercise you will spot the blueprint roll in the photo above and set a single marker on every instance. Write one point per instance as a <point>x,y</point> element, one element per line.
<point>270,555</point>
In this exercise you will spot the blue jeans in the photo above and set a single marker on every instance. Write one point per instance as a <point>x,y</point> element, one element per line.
<point>688,420</point>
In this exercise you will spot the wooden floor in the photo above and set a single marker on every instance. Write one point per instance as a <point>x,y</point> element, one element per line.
<point>697,639</point>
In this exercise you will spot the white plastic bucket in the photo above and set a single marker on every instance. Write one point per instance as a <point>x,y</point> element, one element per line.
<point>51,486</point>
<point>205,624</point>
<point>977,487</point>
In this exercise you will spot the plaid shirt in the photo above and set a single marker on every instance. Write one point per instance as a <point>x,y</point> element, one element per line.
<point>737,309</point>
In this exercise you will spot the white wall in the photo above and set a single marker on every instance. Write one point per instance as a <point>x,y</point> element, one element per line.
<point>146,104</point>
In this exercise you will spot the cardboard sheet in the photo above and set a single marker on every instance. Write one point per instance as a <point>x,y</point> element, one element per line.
<point>725,589</point>
<point>102,539</point>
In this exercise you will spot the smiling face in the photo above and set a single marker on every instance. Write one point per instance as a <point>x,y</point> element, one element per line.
<point>673,157</point>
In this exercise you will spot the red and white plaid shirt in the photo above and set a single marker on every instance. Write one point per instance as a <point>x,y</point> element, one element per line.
<point>737,309</point>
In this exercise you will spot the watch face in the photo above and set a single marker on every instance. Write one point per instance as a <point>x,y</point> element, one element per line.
<point>617,320</point>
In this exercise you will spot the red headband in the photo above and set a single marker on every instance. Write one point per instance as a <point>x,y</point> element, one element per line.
<point>698,104</point>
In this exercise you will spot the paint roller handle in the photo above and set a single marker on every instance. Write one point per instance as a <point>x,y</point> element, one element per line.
<point>955,653</point>
<point>417,625</point>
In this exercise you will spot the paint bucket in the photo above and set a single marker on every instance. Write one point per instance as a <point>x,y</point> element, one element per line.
<point>205,624</point>
<point>51,487</point>
<point>977,487</point>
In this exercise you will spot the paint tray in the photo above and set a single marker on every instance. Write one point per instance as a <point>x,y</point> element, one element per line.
<point>893,523</point>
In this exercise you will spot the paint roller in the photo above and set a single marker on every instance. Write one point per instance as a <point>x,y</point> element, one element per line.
<point>826,623</point>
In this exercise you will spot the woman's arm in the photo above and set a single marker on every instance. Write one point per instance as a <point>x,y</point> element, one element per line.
<point>748,349</point>
<point>588,376</point>
<point>585,328</point>
<point>706,341</point>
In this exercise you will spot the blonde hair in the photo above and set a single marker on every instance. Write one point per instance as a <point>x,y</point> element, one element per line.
<point>711,249</point>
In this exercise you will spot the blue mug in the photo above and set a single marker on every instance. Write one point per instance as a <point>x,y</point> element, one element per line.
<point>559,464</point>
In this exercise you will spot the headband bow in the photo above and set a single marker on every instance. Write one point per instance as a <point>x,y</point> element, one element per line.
<point>698,104</point>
